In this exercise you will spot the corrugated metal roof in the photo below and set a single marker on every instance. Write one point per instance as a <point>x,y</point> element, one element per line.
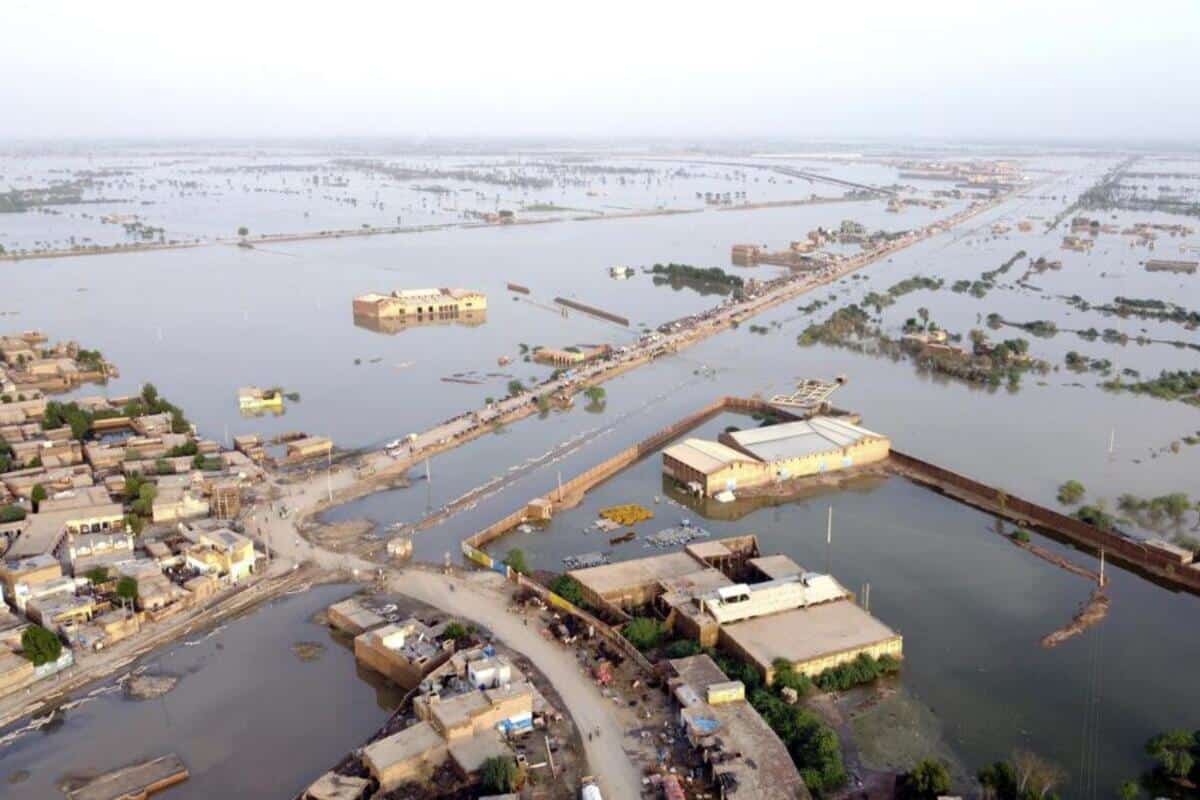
<point>802,438</point>
<point>705,456</point>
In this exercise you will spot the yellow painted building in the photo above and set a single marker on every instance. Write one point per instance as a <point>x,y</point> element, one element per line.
<point>760,456</point>
<point>416,304</point>
<point>712,465</point>
<point>252,398</point>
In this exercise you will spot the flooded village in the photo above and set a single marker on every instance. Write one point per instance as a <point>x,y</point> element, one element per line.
<point>885,475</point>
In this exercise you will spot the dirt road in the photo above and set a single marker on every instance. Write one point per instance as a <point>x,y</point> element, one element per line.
<point>481,598</point>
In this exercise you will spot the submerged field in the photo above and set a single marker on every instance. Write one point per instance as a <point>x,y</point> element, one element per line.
<point>201,322</point>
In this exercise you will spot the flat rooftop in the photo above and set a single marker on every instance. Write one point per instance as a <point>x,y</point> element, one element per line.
<point>332,786</point>
<point>764,770</point>
<point>799,439</point>
<point>776,566</point>
<point>804,634</point>
<point>697,583</point>
<point>609,578</point>
<point>412,742</point>
<point>471,752</point>
<point>699,672</point>
<point>709,549</point>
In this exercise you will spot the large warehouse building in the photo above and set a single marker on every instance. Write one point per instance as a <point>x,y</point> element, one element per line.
<point>760,456</point>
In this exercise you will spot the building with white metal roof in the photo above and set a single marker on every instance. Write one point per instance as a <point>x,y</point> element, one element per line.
<point>759,456</point>
<point>804,438</point>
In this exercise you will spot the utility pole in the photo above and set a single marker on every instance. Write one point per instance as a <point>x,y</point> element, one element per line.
<point>829,543</point>
<point>1101,568</point>
<point>560,494</point>
<point>329,474</point>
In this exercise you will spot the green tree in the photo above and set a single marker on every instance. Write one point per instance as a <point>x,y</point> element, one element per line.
<point>144,504</point>
<point>455,631</point>
<point>644,633</point>
<point>1173,752</point>
<point>37,495</point>
<point>243,231</point>
<point>929,779</point>
<point>568,589</point>
<point>515,387</point>
<point>501,775</point>
<point>1129,790</point>
<point>596,394</point>
<point>999,780</point>
<point>40,645</point>
<point>516,561</point>
<point>97,574</point>
<point>127,589</point>
<point>1071,493</point>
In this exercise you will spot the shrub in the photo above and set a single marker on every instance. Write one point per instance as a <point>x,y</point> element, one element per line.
<point>455,631</point>
<point>568,589</point>
<point>1070,493</point>
<point>861,670</point>
<point>516,561</point>
<point>502,774</point>
<point>11,513</point>
<point>927,780</point>
<point>787,677</point>
<point>682,648</point>
<point>644,633</point>
<point>1095,516</point>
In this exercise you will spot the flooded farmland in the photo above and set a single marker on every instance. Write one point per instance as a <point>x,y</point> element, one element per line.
<point>201,322</point>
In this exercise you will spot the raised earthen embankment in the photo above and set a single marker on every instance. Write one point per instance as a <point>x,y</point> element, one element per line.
<point>1116,546</point>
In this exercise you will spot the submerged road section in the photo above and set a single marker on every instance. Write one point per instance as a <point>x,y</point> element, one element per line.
<point>377,470</point>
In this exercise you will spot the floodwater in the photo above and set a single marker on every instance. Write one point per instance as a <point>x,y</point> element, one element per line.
<point>202,322</point>
<point>971,606</point>
<point>248,718</point>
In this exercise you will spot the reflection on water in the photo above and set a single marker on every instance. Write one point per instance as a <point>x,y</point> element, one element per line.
<point>742,507</point>
<point>468,319</point>
<point>971,606</point>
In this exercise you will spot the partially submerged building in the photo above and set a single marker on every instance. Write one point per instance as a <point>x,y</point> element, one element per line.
<point>761,456</point>
<point>414,305</point>
<point>724,594</point>
<point>404,652</point>
<point>467,711</point>
<point>570,356</point>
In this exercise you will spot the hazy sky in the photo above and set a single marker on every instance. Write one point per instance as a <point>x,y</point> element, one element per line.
<point>1007,68</point>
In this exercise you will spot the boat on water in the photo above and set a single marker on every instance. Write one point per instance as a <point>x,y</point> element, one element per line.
<point>725,496</point>
<point>624,537</point>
